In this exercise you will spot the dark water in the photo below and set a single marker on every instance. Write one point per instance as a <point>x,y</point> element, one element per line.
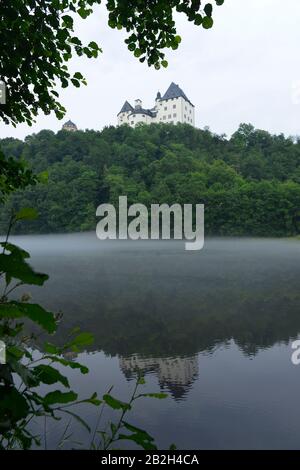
<point>212,328</point>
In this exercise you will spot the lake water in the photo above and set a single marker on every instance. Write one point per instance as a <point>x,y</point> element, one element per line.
<point>213,329</point>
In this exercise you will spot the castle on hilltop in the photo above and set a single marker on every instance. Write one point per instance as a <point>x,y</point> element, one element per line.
<point>69,126</point>
<point>172,107</point>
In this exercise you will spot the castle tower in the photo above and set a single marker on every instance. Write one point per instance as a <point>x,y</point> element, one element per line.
<point>69,126</point>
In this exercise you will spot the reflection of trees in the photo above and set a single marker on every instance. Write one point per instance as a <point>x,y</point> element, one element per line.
<point>161,302</point>
<point>253,320</point>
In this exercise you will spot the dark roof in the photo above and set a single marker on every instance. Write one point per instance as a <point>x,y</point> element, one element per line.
<point>174,91</point>
<point>143,111</point>
<point>69,123</point>
<point>126,107</point>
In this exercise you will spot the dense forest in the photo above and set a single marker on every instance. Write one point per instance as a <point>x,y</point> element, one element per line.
<point>250,183</point>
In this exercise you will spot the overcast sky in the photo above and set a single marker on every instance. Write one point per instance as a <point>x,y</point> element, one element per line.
<point>246,69</point>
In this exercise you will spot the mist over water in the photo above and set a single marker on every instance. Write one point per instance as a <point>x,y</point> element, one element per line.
<point>211,328</point>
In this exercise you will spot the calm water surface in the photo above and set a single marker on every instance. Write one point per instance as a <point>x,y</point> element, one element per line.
<point>213,329</point>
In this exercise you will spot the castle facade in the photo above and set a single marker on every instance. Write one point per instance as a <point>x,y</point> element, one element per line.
<point>172,107</point>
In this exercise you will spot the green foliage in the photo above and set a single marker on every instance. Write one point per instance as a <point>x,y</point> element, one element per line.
<point>20,402</point>
<point>38,41</point>
<point>14,174</point>
<point>249,183</point>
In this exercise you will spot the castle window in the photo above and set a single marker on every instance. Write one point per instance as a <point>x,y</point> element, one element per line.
<point>132,122</point>
<point>166,108</point>
<point>174,115</point>
<point>174,106</point>
<point>185,116</point>
<point>164,118</point>
<point>169,117</point>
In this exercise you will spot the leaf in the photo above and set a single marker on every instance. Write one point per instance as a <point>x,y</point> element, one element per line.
<point>93,400</point>
<point>219,2</point>
<point>208,9</point>
<point>68,20</point>
<point>27,213</point>
<point>72,364</point>
<point>198,19</point>
<point>58,397</point>
<point>79,419</point>
<point>34,312</point>
<point>207,22</point>
<point>160,396</point>
<point>115,404</point>
<point>15,249</point>
<point>137,53</point>
<point>15,266</point>
<point>83,339</point>
<point>49,375</point>
<point>51,349</point>
<point>139,431</point>
<point>12,404</point>
<point>43,177</point>
<point>138,439</point>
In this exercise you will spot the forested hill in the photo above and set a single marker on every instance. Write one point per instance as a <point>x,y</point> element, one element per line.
<point>250,184</point>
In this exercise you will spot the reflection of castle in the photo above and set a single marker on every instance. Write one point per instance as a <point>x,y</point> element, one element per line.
<point>174,373</point>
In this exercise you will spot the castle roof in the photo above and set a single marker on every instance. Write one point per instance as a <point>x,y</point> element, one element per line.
<point>149,112</point>
<point>126,107</point>
<point>174,91</point>
<point>69,123</point>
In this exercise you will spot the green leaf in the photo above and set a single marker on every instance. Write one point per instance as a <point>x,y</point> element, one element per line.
<point>207,22</point>
<point>160,396</point>
<point>79,419</point>
<point>72,364</point>
<point>115,404</point>
<point>219,2</point>
<point>58,397</point>
<point>34,312</point>
<point>94,45</point>
<point>137,53</point>
<point>49,375</point>
<point>208,9</point>
<point>68,20</point>
<point>13,404</point>
<point>51,349</point>
<point>43,177</point>
<point>164,63</point>
<point>15,249</point>
<point>27,213</point>
<point>78,76</point>
<point>93,400</point>
<point>198,19</point>
<point>139,431</point>
<point>83,339</point>
<point>17,268</point>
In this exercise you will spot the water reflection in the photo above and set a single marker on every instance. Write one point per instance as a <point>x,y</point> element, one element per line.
<point>175,374</point>
<point>155,307</point>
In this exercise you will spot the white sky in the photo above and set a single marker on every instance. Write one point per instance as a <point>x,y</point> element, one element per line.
<point>246,69</point>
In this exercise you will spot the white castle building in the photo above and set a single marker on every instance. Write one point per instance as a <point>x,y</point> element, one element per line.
<point>172,107</point>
